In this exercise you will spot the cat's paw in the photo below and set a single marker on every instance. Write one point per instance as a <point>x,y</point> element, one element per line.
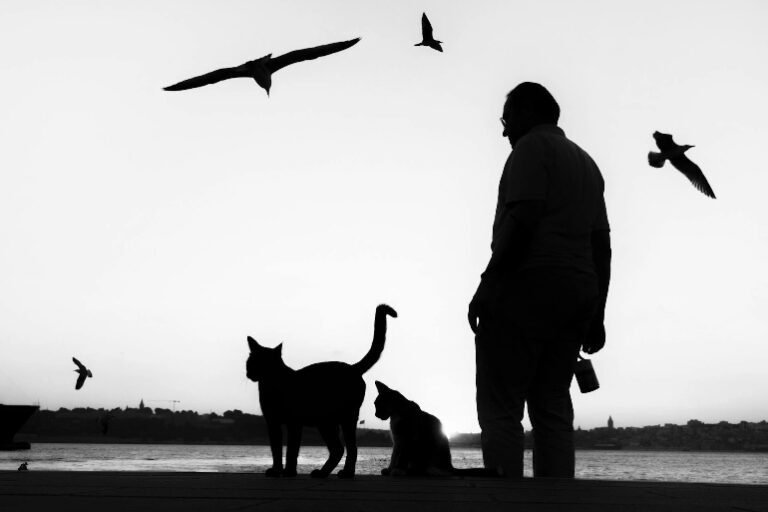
<point>346,473</point>
<point>289,472</point>
<point>318,473</point>
<point>273,472</point>
<point>385,471</point>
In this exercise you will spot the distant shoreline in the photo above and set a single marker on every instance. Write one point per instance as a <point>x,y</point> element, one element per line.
<point>235,428</point>
<point>313,445</point>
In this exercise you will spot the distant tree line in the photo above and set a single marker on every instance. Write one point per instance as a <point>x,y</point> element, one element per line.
<point>146,425</point>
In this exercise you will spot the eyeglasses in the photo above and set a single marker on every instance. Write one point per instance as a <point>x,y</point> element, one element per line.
<point>503,122</point>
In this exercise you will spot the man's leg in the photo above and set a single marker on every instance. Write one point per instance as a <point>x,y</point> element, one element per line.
<point>551,411</point>
<point>561,307</point>
<point>505,368</point>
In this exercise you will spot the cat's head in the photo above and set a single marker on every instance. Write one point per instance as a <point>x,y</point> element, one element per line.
<point>262,360</point>
<point>389,402</point>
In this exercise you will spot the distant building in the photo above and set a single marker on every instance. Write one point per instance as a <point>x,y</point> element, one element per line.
<point>610,423</point>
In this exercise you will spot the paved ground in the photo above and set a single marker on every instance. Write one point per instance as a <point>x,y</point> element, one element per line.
<point>146,492</point>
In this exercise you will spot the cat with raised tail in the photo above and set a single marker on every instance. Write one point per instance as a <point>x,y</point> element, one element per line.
<point>325,395</point>
<point>420,448</point>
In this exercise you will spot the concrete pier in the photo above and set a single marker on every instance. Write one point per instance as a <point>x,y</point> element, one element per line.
<point>147,492</point>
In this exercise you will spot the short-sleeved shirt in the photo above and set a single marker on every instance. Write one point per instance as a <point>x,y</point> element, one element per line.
<point>545,165</point>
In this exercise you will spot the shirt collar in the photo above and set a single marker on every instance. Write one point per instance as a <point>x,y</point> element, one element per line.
<point>547,128</point>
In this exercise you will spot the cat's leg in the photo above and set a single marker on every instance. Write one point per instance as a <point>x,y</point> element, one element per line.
<point>275,431</point>
<point>349,430</point>
<point>402,462</point>
<point>392,460</point>
<point>330,434</point>
<point>292,451</point>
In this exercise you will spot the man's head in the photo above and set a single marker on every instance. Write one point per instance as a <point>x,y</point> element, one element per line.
<point>529,104</point>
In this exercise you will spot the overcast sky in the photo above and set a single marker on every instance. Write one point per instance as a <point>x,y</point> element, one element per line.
<point>148,232</point>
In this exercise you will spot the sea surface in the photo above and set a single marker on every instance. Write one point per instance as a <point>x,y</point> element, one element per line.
<point>713,467</point>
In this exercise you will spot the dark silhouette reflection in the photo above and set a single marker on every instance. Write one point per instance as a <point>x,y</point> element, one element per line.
<point>83,373</point>
<point>420,447</point>
<point>104,421</point>
<point>426,35</point>
<point>262,68</point>
<point>542,297</point>
<point>326,395</point>
<point>676,156</point>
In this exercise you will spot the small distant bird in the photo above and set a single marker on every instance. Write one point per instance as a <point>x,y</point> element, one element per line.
<point>426,35</point>
<point>23,467</point>
<point>262,68</point>
<point>83,372</point>
<point>676,156</point>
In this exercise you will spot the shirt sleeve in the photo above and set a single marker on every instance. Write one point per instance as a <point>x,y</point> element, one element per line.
<point>601,221</point>
<point>526,172</point>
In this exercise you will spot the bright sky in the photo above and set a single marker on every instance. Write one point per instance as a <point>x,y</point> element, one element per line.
<point>149,232</point>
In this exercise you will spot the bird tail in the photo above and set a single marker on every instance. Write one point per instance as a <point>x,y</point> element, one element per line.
<point>655,159</point>
<point>379,334</point>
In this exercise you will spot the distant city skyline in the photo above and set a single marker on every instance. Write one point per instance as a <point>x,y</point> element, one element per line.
<point>609,422</point>
<point>147,232</point>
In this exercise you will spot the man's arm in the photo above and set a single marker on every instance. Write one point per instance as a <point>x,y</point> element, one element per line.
<point>515,233</point>
<point>511,244</point>
<point>601,256</point>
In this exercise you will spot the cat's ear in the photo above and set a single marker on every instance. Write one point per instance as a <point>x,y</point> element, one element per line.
<point>279,349</point>
<point>253,344</point>
<point>381,387</point>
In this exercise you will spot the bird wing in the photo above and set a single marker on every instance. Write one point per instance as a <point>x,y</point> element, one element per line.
<point>308,54</point>
<point>80,381</point>
<point>693,173</point>
<point>208,78</point>
<point>78,363</point>
<point>664,141</point>
<point>426,28</point>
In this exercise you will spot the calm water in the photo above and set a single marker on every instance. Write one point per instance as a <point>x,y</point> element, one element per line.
<point>744,468</point>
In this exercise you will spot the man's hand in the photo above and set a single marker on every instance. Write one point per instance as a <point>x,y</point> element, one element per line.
<point>595,338</point>
<point>478,306</point>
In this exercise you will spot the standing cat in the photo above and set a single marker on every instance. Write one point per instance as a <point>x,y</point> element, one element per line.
<point>419,445</point>
<point>326,395</point>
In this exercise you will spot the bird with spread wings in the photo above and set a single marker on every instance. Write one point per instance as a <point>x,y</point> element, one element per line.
<point>676,156</point>
<point>83,373</point>
<point>262,68</point>
<point>426,35</point>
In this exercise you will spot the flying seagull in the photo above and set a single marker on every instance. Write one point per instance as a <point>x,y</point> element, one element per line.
<point>84,373</point>
<point>676,156</point>
<point>262,68</point>
<point>426,35</point>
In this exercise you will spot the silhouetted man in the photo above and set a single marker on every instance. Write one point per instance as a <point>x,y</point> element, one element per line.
<point>542,296</point>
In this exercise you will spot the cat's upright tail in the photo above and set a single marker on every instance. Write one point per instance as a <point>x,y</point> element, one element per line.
<point>379,334</point>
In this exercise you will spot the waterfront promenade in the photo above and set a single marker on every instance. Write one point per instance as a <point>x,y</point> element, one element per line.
<point>147,492</point>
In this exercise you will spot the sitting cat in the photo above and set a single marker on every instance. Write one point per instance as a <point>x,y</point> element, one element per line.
<point>326,395</point>
<point>420,446</point>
